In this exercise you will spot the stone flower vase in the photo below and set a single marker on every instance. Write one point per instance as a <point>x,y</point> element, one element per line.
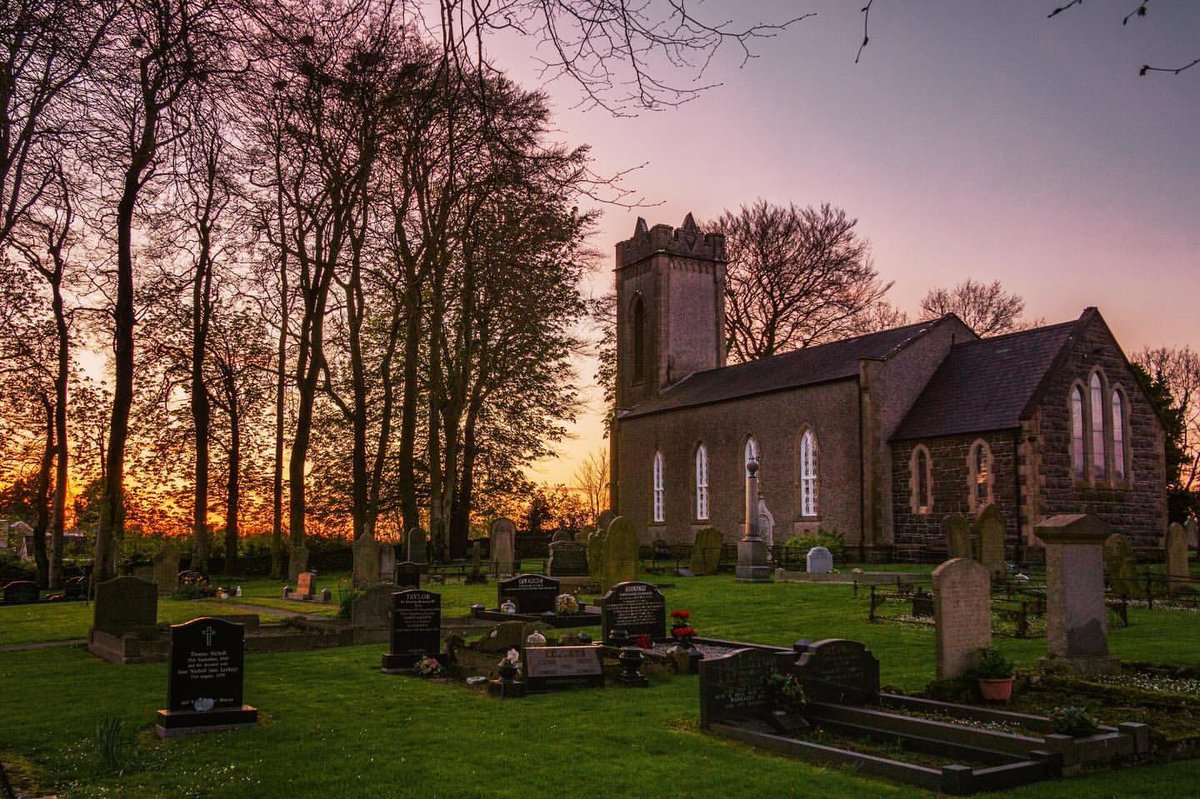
<point>996,690</point>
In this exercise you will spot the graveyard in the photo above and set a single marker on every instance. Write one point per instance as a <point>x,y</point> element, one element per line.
<point>358,719</point>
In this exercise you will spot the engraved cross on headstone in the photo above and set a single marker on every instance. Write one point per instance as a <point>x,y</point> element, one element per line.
<point>208,634</point>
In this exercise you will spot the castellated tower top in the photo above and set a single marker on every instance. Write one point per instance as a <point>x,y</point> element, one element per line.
<point>685,240</point>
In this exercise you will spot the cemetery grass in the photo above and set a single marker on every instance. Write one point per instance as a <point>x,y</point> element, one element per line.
<point>332,725</point>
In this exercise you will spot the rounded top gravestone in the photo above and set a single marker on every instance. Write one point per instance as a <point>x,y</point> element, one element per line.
<point>819,561</point>
<point>962,612</point>
<point>706,551</point>
<point>958,535</point>
<point>620,553</point>
<point>989,532</point>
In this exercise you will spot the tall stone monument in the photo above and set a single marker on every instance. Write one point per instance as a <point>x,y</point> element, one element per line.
<point>962,613</point>
<point>752,549</point>
<point>1076,618</point>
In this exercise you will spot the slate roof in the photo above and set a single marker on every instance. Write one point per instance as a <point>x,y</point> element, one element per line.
<point>835,361</point>
<point>985,384</point>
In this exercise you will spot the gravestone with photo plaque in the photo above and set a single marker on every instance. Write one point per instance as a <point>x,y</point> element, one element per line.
<point>532,593</point>
<point>205,683</point>
<point>416,629</point>
<point>635,607</point>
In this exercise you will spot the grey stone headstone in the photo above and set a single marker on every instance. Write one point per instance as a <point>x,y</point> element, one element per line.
<point>706,551</point>
<point>1193,533</point>
<point>962,612</point>
<point>990,532</point>
<point>567,559</point>
<point>417,549</point>
<point>1121,565</point>
<point>606,517</point>
<point>125,605</point>
<point>766,522</point>
<point>562,535</point>
<point>366,560</point>
<point>371,608</point>
<point>1076,617</point>
<point>166,568</point>
<point>1177,555</point>
<point>958,536</point>
<point>819,561</point>
<point>595,548</point>
<point>503,544</point>
<point>297,562</point>
<point>387,560</point>
<point>620,553</point>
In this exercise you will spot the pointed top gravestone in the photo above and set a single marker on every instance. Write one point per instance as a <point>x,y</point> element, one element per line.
<point>990,532</point>
<point>958,535</point>
<point>503,550</point>
<point>297,562</point>
<point>166,568</point>
<point>1193,533</point>
<point>620,553</point>
<point>366,560</point>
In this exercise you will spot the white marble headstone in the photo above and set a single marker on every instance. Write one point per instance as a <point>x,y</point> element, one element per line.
<point>820,561</point>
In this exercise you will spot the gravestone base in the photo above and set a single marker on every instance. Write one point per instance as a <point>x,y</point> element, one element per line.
<point>1085,666</point>
<point>172,724</point>
<point>401,664</point>
<point>752,562</point>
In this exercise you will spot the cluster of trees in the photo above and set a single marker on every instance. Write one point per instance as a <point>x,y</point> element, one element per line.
<point>331,252</point>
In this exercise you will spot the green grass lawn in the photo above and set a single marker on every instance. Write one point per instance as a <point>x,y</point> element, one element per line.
<point>333,726</point>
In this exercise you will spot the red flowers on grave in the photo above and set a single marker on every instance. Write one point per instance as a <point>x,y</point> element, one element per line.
<point>681,626</point>
<point>644,642</point>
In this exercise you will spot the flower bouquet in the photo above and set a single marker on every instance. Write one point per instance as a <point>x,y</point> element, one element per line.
<point>427,667</point>
<point>566,605</point>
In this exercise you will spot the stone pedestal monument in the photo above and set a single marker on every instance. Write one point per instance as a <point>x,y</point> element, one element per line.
<point>752,549</point>
<point>1076,618</point>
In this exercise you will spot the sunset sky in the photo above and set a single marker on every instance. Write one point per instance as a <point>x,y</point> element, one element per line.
<point>971,140</point>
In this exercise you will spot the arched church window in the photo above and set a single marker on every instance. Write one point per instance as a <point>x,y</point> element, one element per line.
<point>1099,472</point>
<point>1118,436</point>
<point>921,480</point>
<point>979,469</point>
<point>639,339</point>
<point>808,474</point>
<point>660,511</point>
<point>701,483</point>
<point>1078,447</point>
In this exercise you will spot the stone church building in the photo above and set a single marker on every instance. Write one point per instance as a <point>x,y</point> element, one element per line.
<point>876,437</point>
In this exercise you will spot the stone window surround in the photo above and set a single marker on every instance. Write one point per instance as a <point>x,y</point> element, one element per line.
<point>658,492</point>
<point>1118,407</point>
<point>973,502</point>
<point>1107,393</point>
<point>918,507</point>
<point>807,433</point>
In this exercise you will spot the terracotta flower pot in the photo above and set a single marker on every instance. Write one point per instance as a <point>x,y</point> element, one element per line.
<point>997,690</point>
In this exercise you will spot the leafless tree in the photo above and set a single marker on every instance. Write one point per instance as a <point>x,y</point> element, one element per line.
<point>986,308</point>
<point>1179,370</point>
<point>796,277</point>
<point>592,478</point>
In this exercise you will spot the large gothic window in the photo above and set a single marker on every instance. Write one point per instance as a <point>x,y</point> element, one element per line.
<point>639,339</point>
<point>701,483</point>
<point>1099,472</point>
<point>808,474</point>
<point>979,468</point>
<point>660,510</point>
<point>1078,447</point>
<point>1118,435</point>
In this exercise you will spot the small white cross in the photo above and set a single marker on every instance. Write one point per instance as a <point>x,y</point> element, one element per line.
<point>208,634</point>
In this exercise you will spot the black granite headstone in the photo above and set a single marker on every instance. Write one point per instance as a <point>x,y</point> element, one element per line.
<point>532,593</point>
<point>567,559</point>
<point>738,685</point>
<point>20,592</point>
<point>922,605</point>
<point>408,574</point>
<point>416,628</point>
<point>204,688</point>
<point>635,607</point>
<point>75,588</point>
<point>838,671</point>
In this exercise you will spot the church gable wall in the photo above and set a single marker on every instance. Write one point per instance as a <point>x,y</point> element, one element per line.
<point>1136,506</point>
<point>777,422</point>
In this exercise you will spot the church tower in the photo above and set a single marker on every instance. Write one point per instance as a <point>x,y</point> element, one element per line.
<point>670,307</point>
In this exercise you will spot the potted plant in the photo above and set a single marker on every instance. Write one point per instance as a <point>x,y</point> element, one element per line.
<point>994,674</point>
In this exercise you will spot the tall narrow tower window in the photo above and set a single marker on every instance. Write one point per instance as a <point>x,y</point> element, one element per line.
<point>701,483</point>
<point>639,340</point>
<point>660,509</point>
<point>808,474</point>
<point>1078,448</point>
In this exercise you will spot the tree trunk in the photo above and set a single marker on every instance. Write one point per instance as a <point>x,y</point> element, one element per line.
<point>277,549</point>
<point>62,476</point>
<point>42,497</point>
<point>232,496</point>
<point>201,409</point>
